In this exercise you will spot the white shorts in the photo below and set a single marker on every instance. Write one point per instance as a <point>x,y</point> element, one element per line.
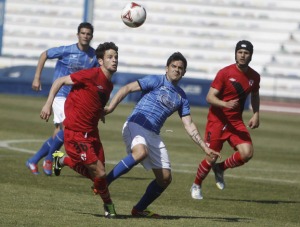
<point>158,157</point>
<point>58,108</point>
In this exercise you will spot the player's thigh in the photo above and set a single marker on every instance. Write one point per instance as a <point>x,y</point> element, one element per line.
<point>134,137</point>
<point>58,110</point>
<point>215,135</point>
<point>157,153</point>
<point>80,149</point>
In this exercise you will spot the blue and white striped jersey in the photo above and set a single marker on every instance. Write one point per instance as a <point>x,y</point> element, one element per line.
<point>70,59</point>
<point>160,99</point>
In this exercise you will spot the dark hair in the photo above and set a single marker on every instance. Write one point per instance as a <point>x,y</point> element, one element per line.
<point>85,25</point>
<point>104,47</point>
<point>177,56</point>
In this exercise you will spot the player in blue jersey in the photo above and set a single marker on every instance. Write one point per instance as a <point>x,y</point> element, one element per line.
<point>71,59</point>
<point>161,97</point>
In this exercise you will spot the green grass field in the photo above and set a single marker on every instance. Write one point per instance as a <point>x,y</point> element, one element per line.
<point>264,192</point>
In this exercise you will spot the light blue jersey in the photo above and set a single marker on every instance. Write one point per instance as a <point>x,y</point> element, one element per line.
<point>70,59</point>
<point>160,99</point>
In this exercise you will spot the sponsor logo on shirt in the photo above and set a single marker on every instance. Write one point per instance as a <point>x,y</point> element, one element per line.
<point>232,79</point>
<point>100,87</point>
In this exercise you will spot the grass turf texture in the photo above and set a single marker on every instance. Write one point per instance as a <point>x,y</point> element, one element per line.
<point>264,192</point>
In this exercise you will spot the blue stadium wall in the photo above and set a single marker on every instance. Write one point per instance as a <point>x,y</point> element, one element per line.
<point>18,80</point>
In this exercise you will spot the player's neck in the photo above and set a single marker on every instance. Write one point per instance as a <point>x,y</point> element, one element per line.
<point>242,68</point>
<point>83,47</point>
<point>107,73</point>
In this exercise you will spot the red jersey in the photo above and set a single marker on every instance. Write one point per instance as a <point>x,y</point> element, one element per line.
<point>233,84</point>
<point>85,102</point>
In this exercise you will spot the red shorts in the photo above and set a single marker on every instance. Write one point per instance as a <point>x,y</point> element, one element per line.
<point>84,148</point>
<point>217,133</point>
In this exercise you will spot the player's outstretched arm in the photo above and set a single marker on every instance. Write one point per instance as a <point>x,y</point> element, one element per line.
<point>57,84</point>
<point>120,95</point>
<point>193,132</point>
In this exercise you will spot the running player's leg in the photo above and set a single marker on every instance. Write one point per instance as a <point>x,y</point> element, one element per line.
<point>136,148</point>
<point>158,161</point>
<point>214,137</point>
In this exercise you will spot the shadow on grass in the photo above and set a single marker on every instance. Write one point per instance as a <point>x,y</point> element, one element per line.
<point>136,178</point>
<point>174,217</point>
<point>122,177</point>
<point>259,201</point>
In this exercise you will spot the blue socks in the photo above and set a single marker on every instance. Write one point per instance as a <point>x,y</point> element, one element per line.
<point>57,142</point>
<point>48,148</point>
<point>153,191</point>
<point>121,168</point>
<point>43,151</point>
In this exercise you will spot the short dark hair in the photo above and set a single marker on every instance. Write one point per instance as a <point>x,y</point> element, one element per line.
<point>104,47</point>
<point>85,25</point>
<point>177,56</point>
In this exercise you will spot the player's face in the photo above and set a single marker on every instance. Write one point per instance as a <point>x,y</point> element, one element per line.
<point>243,58</point>
<point>85,36</point>
<point>175,71</point>
<point>110,61</point>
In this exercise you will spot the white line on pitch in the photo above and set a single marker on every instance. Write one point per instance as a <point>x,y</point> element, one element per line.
<point>6,144</point>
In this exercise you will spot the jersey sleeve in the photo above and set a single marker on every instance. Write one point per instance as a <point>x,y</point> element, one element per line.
<point>55,52</point>
<point>184,110</point>
<point>218,81</point>
<point>149,82</point>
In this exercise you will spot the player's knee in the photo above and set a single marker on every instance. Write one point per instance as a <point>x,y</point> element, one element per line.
<point>247,156</point>
<point>165,181</point>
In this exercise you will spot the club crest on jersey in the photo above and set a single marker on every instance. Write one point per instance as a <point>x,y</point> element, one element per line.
<point>100,87</point>
<point>83,156</point>
<point>251,82</point>
<point>167,101</point>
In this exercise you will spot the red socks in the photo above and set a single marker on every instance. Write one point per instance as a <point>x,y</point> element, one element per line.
<point>203,170</point>
<point>100,184</point>
<point>233,161</point>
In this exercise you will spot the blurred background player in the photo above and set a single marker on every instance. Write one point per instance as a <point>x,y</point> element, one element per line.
<point>227,96</point>
<point>161,97</point>
<point>90,92</point>
<point>71,59</point>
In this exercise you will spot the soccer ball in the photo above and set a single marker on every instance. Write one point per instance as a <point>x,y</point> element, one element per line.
<point>133,15</point>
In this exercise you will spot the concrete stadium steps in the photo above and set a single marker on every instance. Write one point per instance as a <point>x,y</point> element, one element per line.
<point>205,31</point>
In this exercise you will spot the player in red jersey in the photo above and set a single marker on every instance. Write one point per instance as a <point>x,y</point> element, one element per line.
<point>90,92</point>
<point>227,96</point>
